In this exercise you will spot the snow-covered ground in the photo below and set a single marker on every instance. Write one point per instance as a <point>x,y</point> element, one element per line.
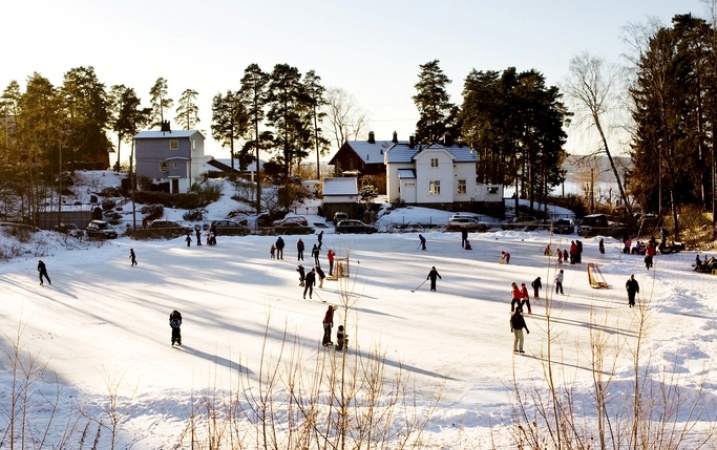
<point>102,329</point>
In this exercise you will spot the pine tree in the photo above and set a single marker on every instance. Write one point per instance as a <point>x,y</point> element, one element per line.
<point>254,96</point>
<point>432,101</point>
<point>160,101</point>
<point>187,110</point>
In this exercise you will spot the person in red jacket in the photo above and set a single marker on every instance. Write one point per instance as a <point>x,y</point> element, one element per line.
<point>649,254</point>
<point>517,296</point>
<point>525,298</point>
<point>573,252</point>
<point>330,255</point>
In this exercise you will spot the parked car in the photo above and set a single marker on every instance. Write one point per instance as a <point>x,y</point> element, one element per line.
<point>593,224</point>
<point>460,223</point>
<point>266,219</point>
<point>69,229</point>
<point>228,227</point>
<point>99,229</point>
<point>354,226</point>
<point>292,219</point>
<point>564,226</point>
<point>293,228</point>
<point>526,223</point>
<point>168,228</point>
<point>339,216</point>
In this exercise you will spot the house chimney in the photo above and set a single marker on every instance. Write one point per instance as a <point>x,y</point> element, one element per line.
<point>447,139</point>
<point>165,126</point>
<point>411,141</point>
<point>371,138</point>
<point>395,137</point>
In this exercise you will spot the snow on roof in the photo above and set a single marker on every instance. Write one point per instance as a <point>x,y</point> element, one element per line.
<point>340,186</point>
<point>403,153</point>
<point>157,134</point>
<point>406,173</point>
<point>370,153</point>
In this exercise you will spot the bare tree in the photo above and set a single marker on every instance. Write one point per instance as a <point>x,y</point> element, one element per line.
<point>594,84</point>
<point>346,119</point>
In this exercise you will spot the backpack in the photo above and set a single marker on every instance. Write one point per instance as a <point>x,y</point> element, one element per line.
<point>532,283</point>
<point>175,323</point>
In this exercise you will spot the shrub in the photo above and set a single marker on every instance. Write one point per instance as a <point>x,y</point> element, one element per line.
<point>153,211</point>
<point>108,204</point>
<point>194,215</point>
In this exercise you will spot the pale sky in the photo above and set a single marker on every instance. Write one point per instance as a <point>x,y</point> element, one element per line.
<point>371,49</point>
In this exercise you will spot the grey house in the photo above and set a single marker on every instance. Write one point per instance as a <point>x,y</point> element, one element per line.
<point>173,160</point>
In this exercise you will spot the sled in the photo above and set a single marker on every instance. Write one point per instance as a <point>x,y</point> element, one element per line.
<point>501,260</point>
<point>595,277</point>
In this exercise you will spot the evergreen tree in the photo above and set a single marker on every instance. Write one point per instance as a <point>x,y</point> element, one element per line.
<point>432,101</point>
<point>315,101</point>
<point>160,101</point>
<point>229,121</point>
<point>128,117</point>
<point>187,110</point>
<point>254,96</point>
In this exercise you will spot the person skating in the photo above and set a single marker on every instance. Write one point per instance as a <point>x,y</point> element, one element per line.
<point>537,286</point>
<point>198,231</point>
<point>423,242</point>
<point>573,252</point>
<point>321,275</point>
<point>328,323</point>
<point>330,256</point>
<point>525,298</point>
<point>315,254</point>
<point>559,282</point>
<point>464,237</point>
<point>342,339</point>
<point>432,275</point>
<point>302,274</point>
<point>517,323</point>
<point>601,246</point>
<point>320,237</point>
<point>505,256</point>
<point>560,255</point>
<point>309,283</point>
<point>565,255</point>
<point>132,257</point>
<point>649,255</point>
<point>189,240</point>
<point>300,250</point>
<point>213,235</point>
<point>272,251</point>
<point>516,297</point>
<point>43,273</point>
<point>280,248</point>
<point>632,288</point>
<point>175,322</point>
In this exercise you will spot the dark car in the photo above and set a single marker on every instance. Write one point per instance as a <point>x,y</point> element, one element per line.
<point>266,219</point>
<point>460,223</point>
<point>339,216</point>
<point>228,227</point>
<point>564,226</point>
<point>168,228</point>
<point>293,228</point>
<point>354,226</point>
<point>70,229</point>
<point>99,229</point>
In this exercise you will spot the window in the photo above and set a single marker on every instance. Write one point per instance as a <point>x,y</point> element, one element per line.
<point>352,163</point>
<point>434,162</point>
<point>175,165</point>
<point>434,187</point>
<point>492,189</point>
<point>173,144</point>
<point>163,166</point>
<point>462,186</point>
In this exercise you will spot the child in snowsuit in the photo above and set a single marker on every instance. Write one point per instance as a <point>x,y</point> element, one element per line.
<point>132,257</point>
<point>517,323</point>
<point>432,275</point>
<point>189,240</point>
<point>175,322</point>
<point>559,282</point>
<point>302,274</point>
<point>272,251</point>
<point>525,298</point>
<point>560,256</point>
<point>342,339</point>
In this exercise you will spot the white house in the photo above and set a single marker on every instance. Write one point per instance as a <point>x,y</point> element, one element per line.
<point>437,175</point>
<point>340,195</point>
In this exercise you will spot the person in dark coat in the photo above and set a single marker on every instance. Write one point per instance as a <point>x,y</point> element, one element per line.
<point>328,323</point>
<point>213,235</point>
<point>175,322</point>
<point>43,273</point>
<point>198,231</point>
<point>517,323</point>
<point>321,275</point>
<point>432,275</point>
<point>300,250</point>
<point>601,246</point>
<point>302,274</point>
<point>579,252</point>
<point>309,283</point>
<point>189,240</point>
<point>537,286</point>
<point>464,237</point>
<point>315,254</point>
<point>423,242</point>
<point>342,339</point>
<point>280,248</point>
<point>132,257</point>
<point>632,288</point>
<point>320,236</point>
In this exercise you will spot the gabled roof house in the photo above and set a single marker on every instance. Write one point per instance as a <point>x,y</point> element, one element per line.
<point>171,159</point>
<point>362,157</point>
